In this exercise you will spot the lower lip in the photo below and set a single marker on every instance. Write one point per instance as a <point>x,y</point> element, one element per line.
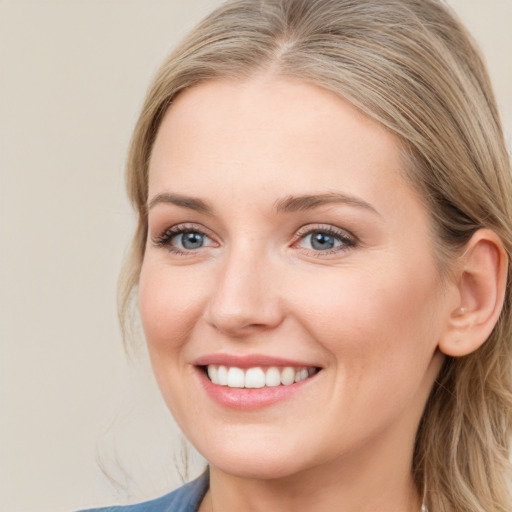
<point>249,399</point>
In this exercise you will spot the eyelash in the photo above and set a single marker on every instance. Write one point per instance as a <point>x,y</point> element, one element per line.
<point>164,239</point>
<point>347,240</point>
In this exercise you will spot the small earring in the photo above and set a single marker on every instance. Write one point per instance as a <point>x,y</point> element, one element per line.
<point>463,311</point>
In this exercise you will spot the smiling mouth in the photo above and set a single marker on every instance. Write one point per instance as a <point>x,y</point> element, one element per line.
<point>257,377</point>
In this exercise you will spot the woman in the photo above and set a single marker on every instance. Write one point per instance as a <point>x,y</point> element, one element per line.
<point>321,259</point>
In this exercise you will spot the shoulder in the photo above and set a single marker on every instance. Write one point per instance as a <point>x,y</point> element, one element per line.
<point>184,499</point>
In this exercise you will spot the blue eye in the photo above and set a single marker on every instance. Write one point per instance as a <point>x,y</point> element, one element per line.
<point>325,240</point>
<point>189,241</point>
<point>182,239</point>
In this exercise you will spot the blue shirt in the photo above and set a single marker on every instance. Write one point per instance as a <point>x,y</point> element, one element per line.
<point>184,499</point>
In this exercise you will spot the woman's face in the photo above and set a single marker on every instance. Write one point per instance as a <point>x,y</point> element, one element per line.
<point>284,243</point>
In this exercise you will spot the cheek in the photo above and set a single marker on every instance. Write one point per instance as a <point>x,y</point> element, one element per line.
<point>366,318</point>
<point>170,305</point>
<point>379,331</point>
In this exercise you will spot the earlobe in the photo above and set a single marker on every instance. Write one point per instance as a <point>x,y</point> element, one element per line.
<point>481,285</point>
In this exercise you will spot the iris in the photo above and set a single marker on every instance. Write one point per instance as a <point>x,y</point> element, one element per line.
<point>192,240</point>
<point>322,241</point>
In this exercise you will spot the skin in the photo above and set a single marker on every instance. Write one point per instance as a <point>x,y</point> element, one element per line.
<point>369,313</point>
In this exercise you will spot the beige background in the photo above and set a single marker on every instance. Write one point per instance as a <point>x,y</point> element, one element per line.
<point>72,78</point>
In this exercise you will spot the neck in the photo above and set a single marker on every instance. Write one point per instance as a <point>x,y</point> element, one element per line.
<point>365,483</point>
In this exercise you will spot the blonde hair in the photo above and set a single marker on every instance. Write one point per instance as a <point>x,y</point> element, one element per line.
<point>413,67</point>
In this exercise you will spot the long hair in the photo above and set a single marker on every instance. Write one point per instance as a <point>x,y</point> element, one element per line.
<point>411,66</point>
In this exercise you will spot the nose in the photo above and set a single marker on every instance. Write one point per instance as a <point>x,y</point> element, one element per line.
<point>246,298</point>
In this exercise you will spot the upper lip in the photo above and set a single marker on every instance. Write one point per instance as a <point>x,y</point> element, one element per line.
<point>250,361</point>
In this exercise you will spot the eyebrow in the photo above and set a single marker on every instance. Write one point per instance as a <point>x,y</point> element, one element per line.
<point>192,203</point>
<point>310,201</point>
<point>289,204</point>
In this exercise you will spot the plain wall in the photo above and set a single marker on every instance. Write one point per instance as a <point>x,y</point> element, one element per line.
<point>72,78</point>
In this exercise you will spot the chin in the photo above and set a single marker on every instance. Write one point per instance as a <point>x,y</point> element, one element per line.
<point>260,467</point>
<point>253,459</point>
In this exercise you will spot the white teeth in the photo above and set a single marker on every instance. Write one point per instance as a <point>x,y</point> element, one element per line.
<point>236,377</point>
<point>301,375</point>
<point>287,376</point>
<point>213,373</point>
<point>254,378</point>
<point>257,377</point>
<point>222,376</point>
<point>273,377</point>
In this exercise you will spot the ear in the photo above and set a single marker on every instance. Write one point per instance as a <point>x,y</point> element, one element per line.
<point>481,281</point>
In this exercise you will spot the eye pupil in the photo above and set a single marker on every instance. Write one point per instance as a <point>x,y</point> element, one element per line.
<point>192,240</point>
<point>322,241</point>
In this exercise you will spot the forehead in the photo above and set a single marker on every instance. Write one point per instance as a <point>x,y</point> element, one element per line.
<point>273,133</point>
